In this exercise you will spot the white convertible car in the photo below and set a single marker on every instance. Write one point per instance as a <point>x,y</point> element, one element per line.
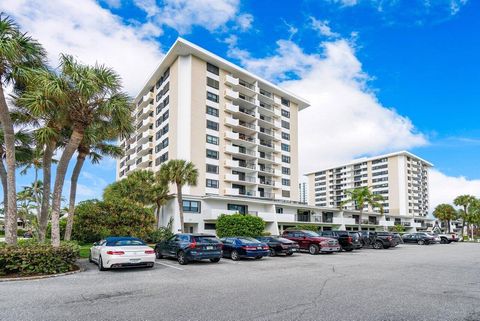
<point>121,252</point>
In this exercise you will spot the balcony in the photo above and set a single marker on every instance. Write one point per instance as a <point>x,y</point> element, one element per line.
<point>238,192</point>
<point>145,124</point>
<point>240,138</point>
<point>231,80</point>
<point>229,93</point>
<point>144,161</point>
<point>270,133</point>
<point>240,151</point>
<point>266,195</point>
<point>144,137</point>
<point>267,182</point>
<point>249,180</point>
<point>145,149</point>
<point>268,158</point>
<point>238,164</point>
<point>146,99</point>
<point>386,223</point>
<point>268,121</point>
<point>268,170</point>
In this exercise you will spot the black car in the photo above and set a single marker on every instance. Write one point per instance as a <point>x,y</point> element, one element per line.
<point>279,245</point>
<point>356,239</point>
<point>244,247</point>
<point>377,240</point>
<point>187,247</point>
<point>344,239</point>
<point>394,241</point>
<point>420,238</point>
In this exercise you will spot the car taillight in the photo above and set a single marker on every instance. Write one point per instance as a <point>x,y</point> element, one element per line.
<point>266,247</point>
<point>193,244</point>
<point>249,248</point>
<point>115,252</point>
<point>389,238</point>
<point>149,252</point>
<point>349,239</point>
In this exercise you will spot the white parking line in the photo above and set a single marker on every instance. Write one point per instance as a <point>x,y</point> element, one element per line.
<point>170,266</point>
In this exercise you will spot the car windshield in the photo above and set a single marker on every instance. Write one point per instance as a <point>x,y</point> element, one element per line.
<point>206,239</point>
<point>126,242</point>
<point>248,240</point>
<point>310,233</point>
<point>281,239</point>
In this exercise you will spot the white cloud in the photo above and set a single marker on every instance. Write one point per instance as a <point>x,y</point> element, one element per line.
<point>182,15</point>
<point>322,27</point>
<point>345,119</point>
<point>89,32</point>
<point>444,189</point>
<point>244,21</point>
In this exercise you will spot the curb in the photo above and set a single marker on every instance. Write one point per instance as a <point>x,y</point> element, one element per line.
<point>39,277</point>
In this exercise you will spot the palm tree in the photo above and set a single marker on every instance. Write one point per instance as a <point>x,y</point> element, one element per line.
<point>94,145</point>
<point>363,196</point>
<point>87,93</point>
<point>179,172</point>
<point>445,212</point>
<point>23,154</point>
<point>17,51</point>
<point>464,201</point>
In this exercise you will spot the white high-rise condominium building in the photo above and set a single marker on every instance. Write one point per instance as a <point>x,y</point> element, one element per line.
<point>401,178</point>
<point>238,129</point>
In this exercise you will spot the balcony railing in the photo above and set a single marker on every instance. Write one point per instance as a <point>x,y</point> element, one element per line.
<point>245,124</point>
<point>246,84</point>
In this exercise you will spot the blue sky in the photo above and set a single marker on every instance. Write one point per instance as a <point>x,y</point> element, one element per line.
<point>393,74</point>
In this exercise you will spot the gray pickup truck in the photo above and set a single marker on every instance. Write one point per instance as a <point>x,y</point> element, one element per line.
<point>446,238</point>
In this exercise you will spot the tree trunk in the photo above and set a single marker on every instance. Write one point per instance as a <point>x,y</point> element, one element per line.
<point>35,193</point>
<point>73,193</point>
<point>47,179</point>
<point>9,141</point>
<point>448,226</point>
<point>3,175</point>
<point>62,167</point>
<point>180,207</point>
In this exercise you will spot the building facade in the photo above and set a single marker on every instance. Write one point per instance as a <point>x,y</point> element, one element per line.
<point>401,178</point>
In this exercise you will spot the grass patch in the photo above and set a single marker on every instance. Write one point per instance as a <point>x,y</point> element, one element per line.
<point>85,250</point>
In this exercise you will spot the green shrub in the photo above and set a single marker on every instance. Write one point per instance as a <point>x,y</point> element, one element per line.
<point>159,235</point>
<point>239,225</point>
<point>307,227</point>
<point>29,257</point>
<point>20,232</point>
<point>95,220</point>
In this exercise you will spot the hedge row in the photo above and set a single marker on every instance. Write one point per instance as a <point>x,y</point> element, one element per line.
<point>239,225</point>
<point>35,258</point>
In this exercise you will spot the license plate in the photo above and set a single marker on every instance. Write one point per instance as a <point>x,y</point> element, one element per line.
<point>259,247</point>
<point>294,249</point>
<point>209,247</point>
<point>134,260</point>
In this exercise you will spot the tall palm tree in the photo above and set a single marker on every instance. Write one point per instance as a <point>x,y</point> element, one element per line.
<point>23,154</point>
<point>17,51</point>
<point>94,145</point>
<point>463,201</point>
<point>445,212</point>
<point>180,172</point>
<point>86,93</point>
<point>363,196</point>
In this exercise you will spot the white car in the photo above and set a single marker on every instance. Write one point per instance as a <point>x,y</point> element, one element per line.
<point>121,252</point>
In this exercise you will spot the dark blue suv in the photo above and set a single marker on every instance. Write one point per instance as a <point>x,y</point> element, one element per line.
<point>190,247</point>
<point>243,247</point>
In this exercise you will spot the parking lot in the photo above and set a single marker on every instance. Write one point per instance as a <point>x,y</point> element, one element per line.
<point>410,282</point>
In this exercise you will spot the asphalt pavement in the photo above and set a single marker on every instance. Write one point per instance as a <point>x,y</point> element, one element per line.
<point>410,282</point>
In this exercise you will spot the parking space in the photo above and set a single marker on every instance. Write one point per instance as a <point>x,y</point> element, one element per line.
<point>409,282</point>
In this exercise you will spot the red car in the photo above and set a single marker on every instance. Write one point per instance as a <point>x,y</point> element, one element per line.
<point>311,241</point>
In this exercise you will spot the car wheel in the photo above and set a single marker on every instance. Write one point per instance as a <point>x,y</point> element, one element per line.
<point>181,258</point>
<point>349,250</point>
<point>100,264</point>
<point>289,254</point>
<point>234,255</point>
<point>443,241</point>
<point>215,260</point>
<point>313,249</point>
<point>272,252</point>
<point>158,255</point>
<point>421,242</point>
<point>377,245</point>
<point>258,257</point>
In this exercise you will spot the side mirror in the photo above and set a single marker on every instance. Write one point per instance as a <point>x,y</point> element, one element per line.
<point>95,244</point>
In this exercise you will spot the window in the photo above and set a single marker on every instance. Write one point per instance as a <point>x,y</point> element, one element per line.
<point>242,209</point>
<point>285,182</point>
<point>213,69</point>
<point>212,97</point>
<point>161,159</point>
<point>212,169</point>
<point>285,102</point>
<point>285,170</point>
<point>285,136</point>
<point>285,124</point>
<point>286,159</point>
<point>285,113</point>
<point>212,125</point>
<point>212,154</point>
<point>212,83</point>
<point>191,206</point>
<point>285,147</point>
<point>165,142</point>
<point>285,193</point>
<point>210,226</point>
<point>212,183</point>
<point>212,140</point>
<point>279,210</point>
<point>212,111</point>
